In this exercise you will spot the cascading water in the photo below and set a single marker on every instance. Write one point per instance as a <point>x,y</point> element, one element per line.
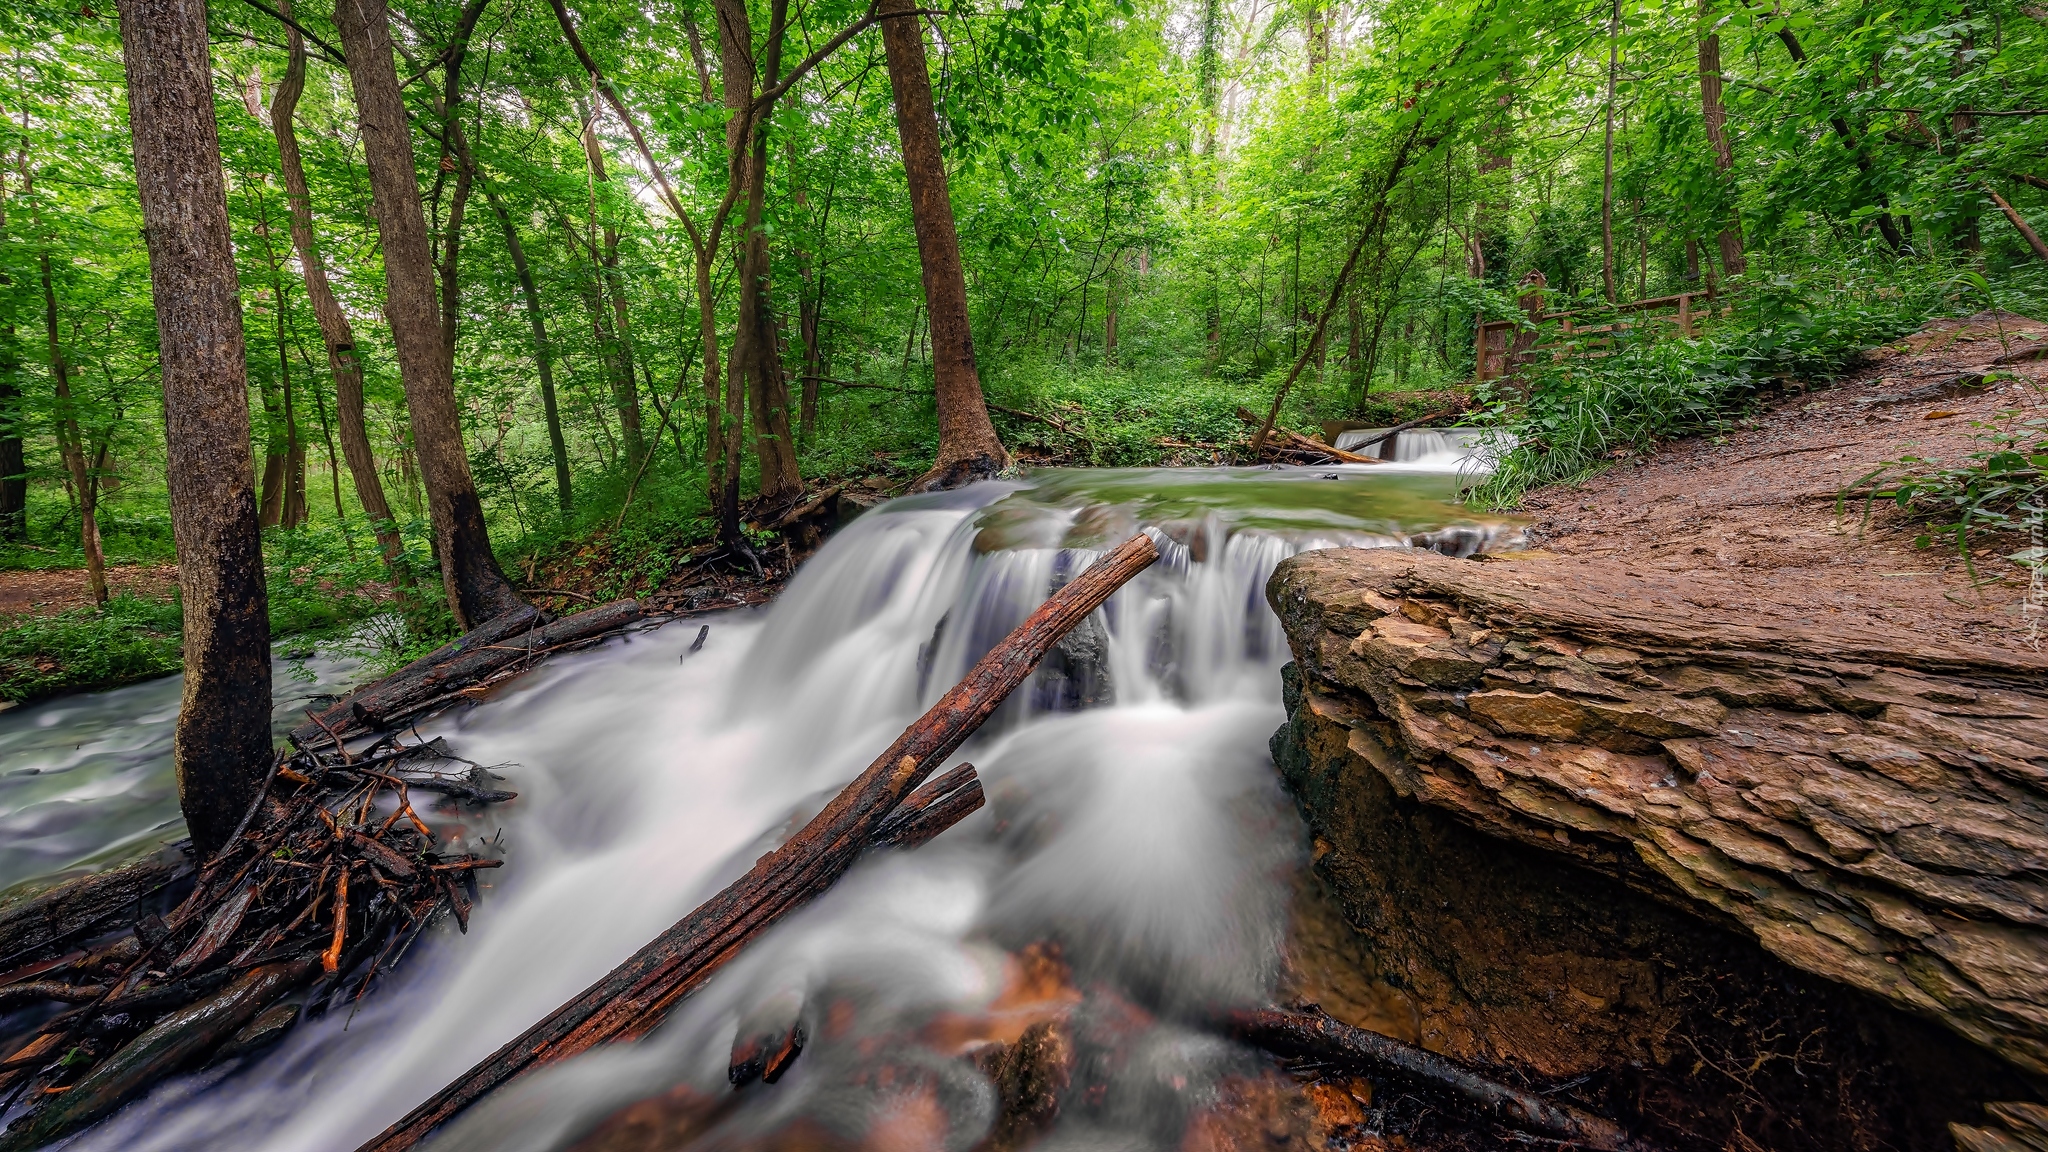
<point>1134,821</point>
<point>1470,451</point>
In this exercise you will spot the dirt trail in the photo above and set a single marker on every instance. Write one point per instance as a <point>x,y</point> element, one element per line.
<point>1749,527</point>
<point>48,591</point>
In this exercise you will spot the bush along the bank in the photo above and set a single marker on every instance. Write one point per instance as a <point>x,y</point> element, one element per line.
<point>130,639</point>
<point>1996,495</point>
<point>1565,418</point>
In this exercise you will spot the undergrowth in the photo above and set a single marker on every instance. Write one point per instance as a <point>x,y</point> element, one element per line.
<point>130,639</point>
<point>1578,415</point>
<point>1996,495</point>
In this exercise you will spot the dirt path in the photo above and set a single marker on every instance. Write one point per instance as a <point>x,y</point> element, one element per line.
<point>46,592</point>
<point>1749,528</point>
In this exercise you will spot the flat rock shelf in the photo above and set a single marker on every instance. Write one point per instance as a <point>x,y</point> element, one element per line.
<point>1761,882</point>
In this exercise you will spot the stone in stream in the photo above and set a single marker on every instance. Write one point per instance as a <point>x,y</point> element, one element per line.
<point>1746,880</point>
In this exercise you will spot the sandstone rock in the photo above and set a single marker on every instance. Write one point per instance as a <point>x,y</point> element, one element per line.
<point>1866,809</point>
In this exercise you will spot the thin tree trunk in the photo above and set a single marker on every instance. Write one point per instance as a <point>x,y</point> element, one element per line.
<point>71,446</point>
<point>335,331</point>
<point>969,448</point>
<point>223,749</point>
<point>1354,346</point>
<point>755,365</point>
<point>1715,115</point>
<point>13,467</point>
<point>292,513</point>
<point>614,331</point>
<point>543,354</point>
<point>270,497</point>
<point>1607,156</point>
<point>475,587</point>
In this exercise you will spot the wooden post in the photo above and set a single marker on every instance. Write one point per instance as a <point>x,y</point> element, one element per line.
<point>1479,373</point>
<point>1685,314</point>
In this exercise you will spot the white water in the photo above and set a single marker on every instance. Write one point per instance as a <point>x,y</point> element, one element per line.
<point>1468,452</point>
<point>1148,835</point>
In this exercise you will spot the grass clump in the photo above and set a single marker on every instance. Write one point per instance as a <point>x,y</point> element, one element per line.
<point>1997,494</point>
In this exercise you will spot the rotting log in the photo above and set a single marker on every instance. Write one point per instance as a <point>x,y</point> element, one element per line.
<point>638,994</point>
<point>37,921</point>
<point>169,1046</point>
<point>504,646</point>
<point>1314,1036</point>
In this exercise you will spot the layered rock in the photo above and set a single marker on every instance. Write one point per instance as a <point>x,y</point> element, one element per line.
<point>1863,809</point>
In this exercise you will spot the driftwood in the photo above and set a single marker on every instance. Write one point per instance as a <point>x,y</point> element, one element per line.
<point>638,994</point>
<point>1293,447</point>
<point>500,648</point>
<point>320,883</point>
<point>1314,1036</point>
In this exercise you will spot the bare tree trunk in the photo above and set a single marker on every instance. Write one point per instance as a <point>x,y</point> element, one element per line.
<point>1607,156</point>
<point>13,465</point>
<point>810,304</point>
<point>476,589</point>
<point>615,331</point>
<point>969,448</point>
<point>335,331</point>
<point>270,490</point>
<point>543,353</point>
<point>755,364</point>
<point>71,446</point>
<point>223,736</point>
<point>1733,261</point>
<point>1354,346</point>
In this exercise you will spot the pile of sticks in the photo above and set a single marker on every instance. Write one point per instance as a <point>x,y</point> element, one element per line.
<point>330,878</point>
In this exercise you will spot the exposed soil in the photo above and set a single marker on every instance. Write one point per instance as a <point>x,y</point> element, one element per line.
<point>1749,526</point>
<point>48,591</point>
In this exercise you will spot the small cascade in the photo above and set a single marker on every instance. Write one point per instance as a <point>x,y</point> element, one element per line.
<point>1134,824</point>
<point>1465,450</point>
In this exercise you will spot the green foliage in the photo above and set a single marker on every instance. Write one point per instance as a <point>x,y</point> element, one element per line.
<point>1581,414</point>
<point>80,650</point>
<point>1999,491</point>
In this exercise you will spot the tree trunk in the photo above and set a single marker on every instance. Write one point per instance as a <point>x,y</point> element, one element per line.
<point>223,734</point>
<point>1354,346</point>
<point>1887,226</point>
<point>543,354</point>
<point>270,492</point>
<point>969,448</point>
<point>1607,157</point>
<point>71,446</point>
<point>1711,110</point>
<point>614,332</point>
<point>335,331</point>
<point>755,364</point>
<point>476,589</point>
<point>1316,35</point>
<point>1964,127</point>
<point>13,465</point>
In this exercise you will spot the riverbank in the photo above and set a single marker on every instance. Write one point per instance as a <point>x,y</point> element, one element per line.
<point>1718,811</point>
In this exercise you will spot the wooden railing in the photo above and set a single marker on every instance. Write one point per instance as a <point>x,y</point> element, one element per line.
<point>1501,341</point>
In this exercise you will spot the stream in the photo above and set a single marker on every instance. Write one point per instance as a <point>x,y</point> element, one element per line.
<point>1134,820</point>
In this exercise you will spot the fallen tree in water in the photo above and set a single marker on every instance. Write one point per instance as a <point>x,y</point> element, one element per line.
<point>639,994</point>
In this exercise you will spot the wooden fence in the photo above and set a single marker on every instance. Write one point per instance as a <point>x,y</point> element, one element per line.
<point>1504,343</point>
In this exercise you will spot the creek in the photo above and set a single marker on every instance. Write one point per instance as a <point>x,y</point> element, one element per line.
<point>1134,818</point>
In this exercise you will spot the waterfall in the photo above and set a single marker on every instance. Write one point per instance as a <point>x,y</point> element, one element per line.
<point>1134,819</point>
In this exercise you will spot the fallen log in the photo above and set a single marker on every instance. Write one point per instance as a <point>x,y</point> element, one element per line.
<point>174,1042</point>
<point>638,994</point>
<point>1280,441</point>
<point>507,644</point>
<point>35,922</point>
<point>1315,1036</point>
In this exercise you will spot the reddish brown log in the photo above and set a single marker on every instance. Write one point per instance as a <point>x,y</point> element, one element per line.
<point>639,993</point>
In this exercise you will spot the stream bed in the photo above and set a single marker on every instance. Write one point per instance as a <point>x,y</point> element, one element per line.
<point>1135,828</point>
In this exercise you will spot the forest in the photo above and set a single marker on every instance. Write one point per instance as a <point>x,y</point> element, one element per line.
<point>672,263</point>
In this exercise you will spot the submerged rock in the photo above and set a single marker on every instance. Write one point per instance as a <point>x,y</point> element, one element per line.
<point>1733,875</point>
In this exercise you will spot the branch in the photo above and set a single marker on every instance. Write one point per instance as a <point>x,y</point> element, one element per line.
<point>770,95</point>
<point>332,53</point>
<point>611,96</point>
